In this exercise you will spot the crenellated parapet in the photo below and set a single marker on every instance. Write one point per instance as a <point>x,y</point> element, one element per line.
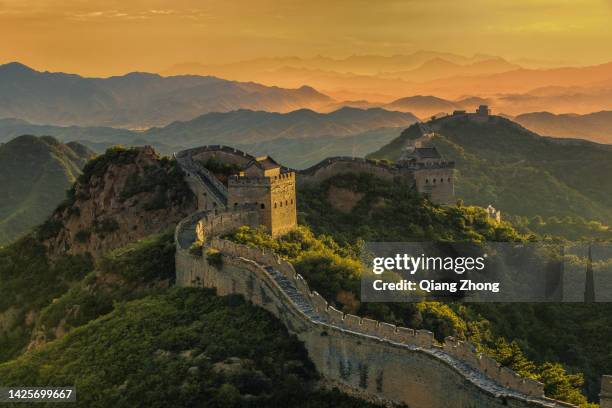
<point>464,352</point>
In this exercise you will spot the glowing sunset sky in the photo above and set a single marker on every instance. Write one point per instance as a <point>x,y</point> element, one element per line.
<point>111,37</point>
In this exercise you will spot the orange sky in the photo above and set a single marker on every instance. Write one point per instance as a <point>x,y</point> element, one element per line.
<point>95,37</point>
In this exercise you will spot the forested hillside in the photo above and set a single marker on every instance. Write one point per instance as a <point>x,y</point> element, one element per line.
<point>520,172</point>
<point>35,173</point>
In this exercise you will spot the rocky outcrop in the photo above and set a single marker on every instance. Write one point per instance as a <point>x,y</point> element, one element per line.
<point>122,196</point>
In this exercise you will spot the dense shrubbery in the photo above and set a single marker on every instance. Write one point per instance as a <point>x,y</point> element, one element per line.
<point>28,282</point>
<point>570,228</point>
<point>217,166</point>
<point>165,181</point>
<point>184,348</point>
<point>48,229</point>
<point>97,166</point>
<point>68,291</point>
<point>146,260</point>
<point>391,212</point>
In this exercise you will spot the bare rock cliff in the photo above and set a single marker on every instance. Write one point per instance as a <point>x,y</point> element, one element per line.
<point>122,196</point>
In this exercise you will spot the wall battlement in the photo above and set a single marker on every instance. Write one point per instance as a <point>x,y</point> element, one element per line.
<point>464,351</point>
<point>261,180</point>
<point>353,341</point>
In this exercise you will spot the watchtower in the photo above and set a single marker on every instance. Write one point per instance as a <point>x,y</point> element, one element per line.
<point>271,189</point>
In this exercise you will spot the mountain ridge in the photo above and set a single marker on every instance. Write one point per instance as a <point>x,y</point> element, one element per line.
<point>35,172</point>
<point>596,126</point>
<point>136,99</point>
<point>499,162</point>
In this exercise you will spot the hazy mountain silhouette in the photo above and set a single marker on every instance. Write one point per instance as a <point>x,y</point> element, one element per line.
<point>441,68</point>
<point>300,138</point>
<point>372,77</point>
<point>245,126</point>
<point>136,99</point>
<point>379,80</point>
<point>595,126</point>
<point>521,81</point>
<point>425,106</point>
<point>359,64</point>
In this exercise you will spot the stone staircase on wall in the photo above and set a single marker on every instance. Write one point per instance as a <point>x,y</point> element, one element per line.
<point>300,301</point>
<point>479,369</point>
<point>205,180</point>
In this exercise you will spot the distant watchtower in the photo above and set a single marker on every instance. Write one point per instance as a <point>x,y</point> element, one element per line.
<point>483,110</point>
<point>433,176</point>
<point>264,184</point>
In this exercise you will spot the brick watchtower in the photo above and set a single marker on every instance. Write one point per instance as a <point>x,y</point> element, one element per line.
<point>264,184</point>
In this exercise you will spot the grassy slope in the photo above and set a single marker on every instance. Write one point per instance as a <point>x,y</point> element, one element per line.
<point>34,173</point>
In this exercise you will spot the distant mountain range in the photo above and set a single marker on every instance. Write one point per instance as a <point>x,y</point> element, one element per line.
<point>595,126</point>
<point>357,64</point>
<point>299,139</point>
<point>425,106</point>
<point>245,126</point>
<point>378,79</point>
<point>503,164</point>
<point>35,173</point>
<point>136,99</point>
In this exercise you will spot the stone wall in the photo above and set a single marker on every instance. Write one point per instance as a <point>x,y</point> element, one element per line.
<point>420,175</point>
<point>217,223</point>
<point>210,192</point>
<point>437,183</point>
<point>370,359</point>
<point>606,392</point>
<point>225,154</point>
<point>353,165</point>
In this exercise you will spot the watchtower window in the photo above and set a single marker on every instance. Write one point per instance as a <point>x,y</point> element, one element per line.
<point>274,205</point>
<point>449,179</point>
<point>286,202</point>
<point>263,206</point>
<point>235,204</point>
<point>426,181</point>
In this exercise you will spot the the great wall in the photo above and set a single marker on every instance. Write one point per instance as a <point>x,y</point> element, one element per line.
<point>373,360</point>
